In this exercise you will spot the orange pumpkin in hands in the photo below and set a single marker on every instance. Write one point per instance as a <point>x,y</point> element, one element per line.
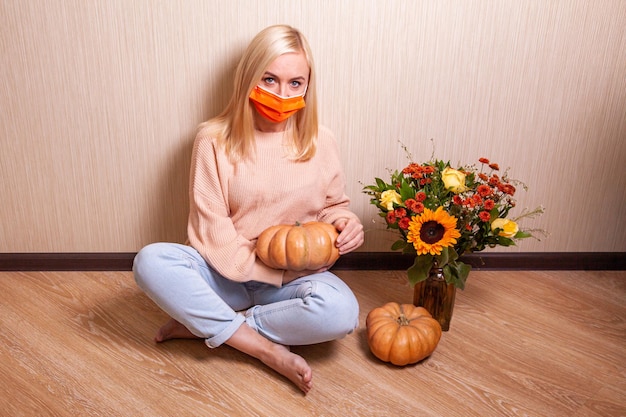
<point>299,247</point>
<point>402,333</point>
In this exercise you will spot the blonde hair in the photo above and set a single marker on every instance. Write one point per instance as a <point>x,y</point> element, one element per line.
<point>234,127</point>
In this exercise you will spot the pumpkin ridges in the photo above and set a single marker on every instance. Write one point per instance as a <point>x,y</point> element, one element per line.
<point>310,246</point>
<point>382,338</point>
<point>263,244</point>
<point>420,342</point>
<point>406,339</point>
<point>318,238</point>
<point>277,249</point>
<point>430,331</point>
<point>420,312</point>
<point>297,254</point>
<point>330,235</point>
<point>427,329</point>
<point>401,346</point>
<point>402,334</point>
<point>381,329</point>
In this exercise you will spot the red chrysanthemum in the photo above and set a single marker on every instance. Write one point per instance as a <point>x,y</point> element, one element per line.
<point>507,189</point>
<point>484,190</point>
<point>410,169</point>
<point>484,216</point>
<point>400,212</point>
<point>410,204</point>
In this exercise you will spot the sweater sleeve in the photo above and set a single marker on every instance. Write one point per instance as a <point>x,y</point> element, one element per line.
<point>210,229</point>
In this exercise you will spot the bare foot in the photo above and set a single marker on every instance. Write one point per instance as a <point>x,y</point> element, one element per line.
<point>173,330</point>
<point>277,357</point>
<point>290,365</point>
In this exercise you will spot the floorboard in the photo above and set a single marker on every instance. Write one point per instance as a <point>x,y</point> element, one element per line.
<point>521,343</point>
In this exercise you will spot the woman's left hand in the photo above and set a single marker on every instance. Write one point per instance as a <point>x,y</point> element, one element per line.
<point>351,235</point>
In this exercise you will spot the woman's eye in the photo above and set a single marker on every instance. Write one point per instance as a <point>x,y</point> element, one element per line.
<point>296,84</point>
<point>268,80</point>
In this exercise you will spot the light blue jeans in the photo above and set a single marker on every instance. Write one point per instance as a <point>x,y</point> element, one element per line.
<point>312,309</point>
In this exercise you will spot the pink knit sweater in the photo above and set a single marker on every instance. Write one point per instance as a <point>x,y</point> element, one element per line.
<point>230,205</point>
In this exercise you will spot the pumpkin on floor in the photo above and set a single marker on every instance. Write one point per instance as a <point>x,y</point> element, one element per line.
<point>402,333</point>
<point>298,247</point>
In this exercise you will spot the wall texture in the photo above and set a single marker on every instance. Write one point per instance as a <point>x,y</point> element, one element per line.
<point>99,101</point>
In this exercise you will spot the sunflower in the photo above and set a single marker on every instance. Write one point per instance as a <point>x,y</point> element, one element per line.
<point>432,231</point>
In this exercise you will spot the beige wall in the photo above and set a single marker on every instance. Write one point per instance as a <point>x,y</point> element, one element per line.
<point>99,100</point>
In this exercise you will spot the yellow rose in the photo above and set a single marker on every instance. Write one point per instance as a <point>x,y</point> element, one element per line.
<point>508,228</point>
<point>387,198</point>
<point>453,180</point>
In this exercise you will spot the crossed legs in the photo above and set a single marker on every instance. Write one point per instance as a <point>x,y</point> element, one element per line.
<point>313,310</point>
<point>246,340</point>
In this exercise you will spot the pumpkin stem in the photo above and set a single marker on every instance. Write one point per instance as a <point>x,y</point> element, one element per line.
<point>402,320</point>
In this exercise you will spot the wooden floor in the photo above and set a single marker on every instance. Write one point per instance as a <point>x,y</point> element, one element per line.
<point>521,343</point>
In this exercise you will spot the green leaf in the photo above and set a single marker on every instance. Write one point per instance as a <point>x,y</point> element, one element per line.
<point>409,249</point>
<point>420,269</point>
<point>456,273</point>
<point>398,244</point>
<point>393,226</point>
<point>443,258</point>
<point>505,241</point>
<point>494,214</point>
<point>406,191</point>
<point>448,254</point>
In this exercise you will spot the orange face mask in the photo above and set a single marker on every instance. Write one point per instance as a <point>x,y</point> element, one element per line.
<point>274,107</point>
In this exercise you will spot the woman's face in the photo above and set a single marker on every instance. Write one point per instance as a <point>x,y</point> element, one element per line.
<point>287,76</point>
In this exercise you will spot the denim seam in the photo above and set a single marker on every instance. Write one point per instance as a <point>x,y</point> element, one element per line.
<point>227,333</point>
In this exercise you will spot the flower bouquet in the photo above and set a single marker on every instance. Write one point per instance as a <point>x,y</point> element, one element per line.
<point>442,212</point>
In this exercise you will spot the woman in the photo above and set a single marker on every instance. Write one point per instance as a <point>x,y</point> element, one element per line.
<point>263,161</point>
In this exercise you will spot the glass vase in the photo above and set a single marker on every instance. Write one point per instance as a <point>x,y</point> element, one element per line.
<point>436,296</point>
